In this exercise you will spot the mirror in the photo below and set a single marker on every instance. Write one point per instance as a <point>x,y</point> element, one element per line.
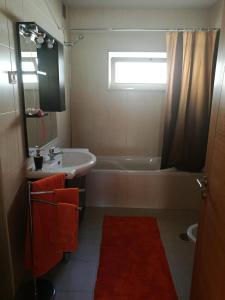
<point>38,74</point>
<point>40,130</point>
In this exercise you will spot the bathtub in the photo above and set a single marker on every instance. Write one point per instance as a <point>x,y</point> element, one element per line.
<point>138,182</point>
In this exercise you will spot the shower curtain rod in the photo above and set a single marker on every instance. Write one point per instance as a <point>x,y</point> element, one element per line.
<point>135,30</point>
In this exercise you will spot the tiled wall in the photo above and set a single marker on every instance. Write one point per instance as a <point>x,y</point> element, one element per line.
<point>12,155</point>
<point>114,122</point>
<point>216,14</point>
<point>120,122</point>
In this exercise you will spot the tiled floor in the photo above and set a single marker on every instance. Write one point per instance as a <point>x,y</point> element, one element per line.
<point>75,279</point>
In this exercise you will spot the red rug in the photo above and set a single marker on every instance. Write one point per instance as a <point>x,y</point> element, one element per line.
<point>133,264</point>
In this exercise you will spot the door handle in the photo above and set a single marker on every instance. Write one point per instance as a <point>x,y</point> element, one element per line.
<point>203,183</point>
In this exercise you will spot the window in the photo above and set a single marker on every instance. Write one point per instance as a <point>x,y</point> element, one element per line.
<point>28,66</point>
<point>29,69</point>
<point>137,70</point>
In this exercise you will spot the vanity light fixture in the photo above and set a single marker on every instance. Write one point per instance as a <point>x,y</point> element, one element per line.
<point>31,34</point>
<point>22,29</point>
<point>40,37</point>
<point>50,43</point>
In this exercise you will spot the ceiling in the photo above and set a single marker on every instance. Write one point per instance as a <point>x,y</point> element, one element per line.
<point>140,3</point>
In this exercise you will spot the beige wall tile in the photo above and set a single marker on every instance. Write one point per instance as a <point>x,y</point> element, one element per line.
<point>114,122</point>
<point>15,85</point>
<point>15,9</point>
<point>7,102</point>
<point>2,5</point>
<point>12,150</point>
<point>13,13</point>
<point>3,25</point>
<point>12,162</point>
<point>12,33</point>
<point>145,120</point>
<point>5,259</point>
<point>12,181</point>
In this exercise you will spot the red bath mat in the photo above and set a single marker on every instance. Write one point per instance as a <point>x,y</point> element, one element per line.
<point>133,264</point>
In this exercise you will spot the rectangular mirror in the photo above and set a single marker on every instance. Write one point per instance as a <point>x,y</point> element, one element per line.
<point>41,77</point>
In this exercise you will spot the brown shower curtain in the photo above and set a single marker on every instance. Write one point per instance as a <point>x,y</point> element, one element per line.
<point>191,68</point>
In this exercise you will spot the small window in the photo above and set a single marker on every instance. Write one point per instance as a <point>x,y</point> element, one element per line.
<point>29,69</point>
<point>28,66</point>
<point>30,78</point>
<point>137,70</point>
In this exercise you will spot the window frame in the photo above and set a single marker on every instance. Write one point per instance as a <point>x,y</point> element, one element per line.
<point>32,58</point>
<point>114,57</point>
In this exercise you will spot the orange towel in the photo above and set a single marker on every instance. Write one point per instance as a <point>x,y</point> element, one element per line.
<point>69,195</point>
<point>68,218</point>
<point>55,228</point>
<point>48,184</point>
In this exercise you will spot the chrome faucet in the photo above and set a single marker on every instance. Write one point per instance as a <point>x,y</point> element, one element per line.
<point>52,153</point>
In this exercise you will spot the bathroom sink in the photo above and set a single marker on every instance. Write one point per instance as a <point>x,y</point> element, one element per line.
<point>72,162</point>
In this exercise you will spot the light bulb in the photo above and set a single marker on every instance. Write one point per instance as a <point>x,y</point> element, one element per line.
<point>40,39</point>
<point>50,43</point>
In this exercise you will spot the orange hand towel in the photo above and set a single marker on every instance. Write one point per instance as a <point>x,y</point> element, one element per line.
<point>43,254</point>
<point>44,238</point>
<point>69,195</point>
<point>68,218</point>
<point>55,227</point>
<point>48,184</point>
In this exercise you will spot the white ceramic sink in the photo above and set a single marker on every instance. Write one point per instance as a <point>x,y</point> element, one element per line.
<point>72,162</point>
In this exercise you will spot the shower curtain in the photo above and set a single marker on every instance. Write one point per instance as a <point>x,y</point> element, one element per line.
<point>191,68</point>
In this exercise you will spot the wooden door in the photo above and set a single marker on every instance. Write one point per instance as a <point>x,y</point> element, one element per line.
<point>209,268</point>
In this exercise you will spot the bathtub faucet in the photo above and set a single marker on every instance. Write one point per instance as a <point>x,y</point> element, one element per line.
<point>52,153</point>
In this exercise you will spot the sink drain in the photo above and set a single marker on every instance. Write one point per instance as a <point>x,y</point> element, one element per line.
<point>184,237</point>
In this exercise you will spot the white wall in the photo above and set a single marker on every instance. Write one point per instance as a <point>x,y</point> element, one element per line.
<point>120,122</point>
<point>139,18</point>
<point>216,14</point>
<point>13,200</point>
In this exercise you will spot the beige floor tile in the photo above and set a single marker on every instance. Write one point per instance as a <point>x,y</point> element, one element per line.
<point>84,268</point>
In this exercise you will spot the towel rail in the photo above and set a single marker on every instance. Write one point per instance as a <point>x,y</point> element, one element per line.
<point>51,192</point>
<point>30,199</point>
<point>50,203</point>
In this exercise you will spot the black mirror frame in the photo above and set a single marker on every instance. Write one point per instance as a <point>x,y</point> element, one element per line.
<point>19,75</point>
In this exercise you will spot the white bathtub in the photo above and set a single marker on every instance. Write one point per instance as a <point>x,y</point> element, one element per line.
<point>134,181</point>
<point>129,163</point>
